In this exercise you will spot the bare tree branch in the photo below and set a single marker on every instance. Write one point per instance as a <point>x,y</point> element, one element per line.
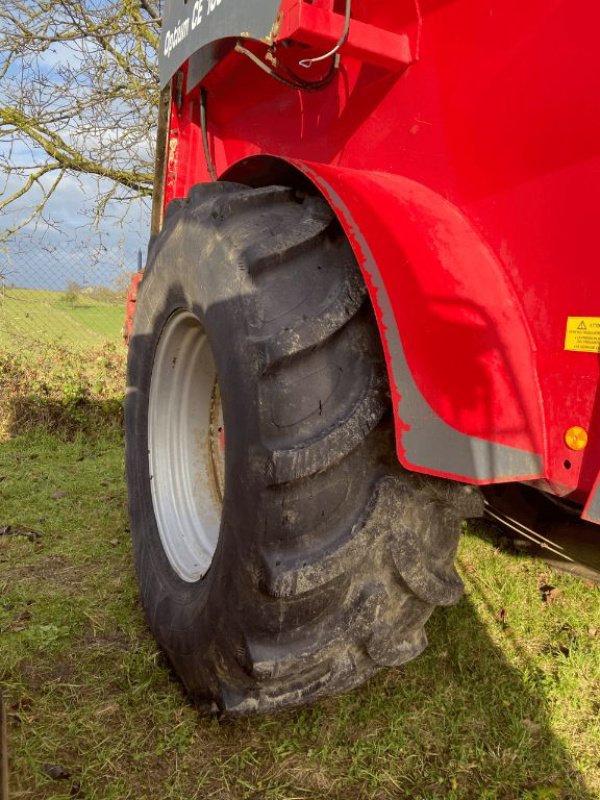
<point>79,96</point>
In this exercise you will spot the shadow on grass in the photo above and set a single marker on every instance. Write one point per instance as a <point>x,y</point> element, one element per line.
<point>66,419</point>
<point>459,722</point>
<point>574,543</point>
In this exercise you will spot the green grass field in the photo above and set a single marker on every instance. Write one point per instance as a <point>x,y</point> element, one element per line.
<point>47,317</point>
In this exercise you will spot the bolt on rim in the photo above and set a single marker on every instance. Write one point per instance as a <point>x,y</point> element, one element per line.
<point>186,446</point>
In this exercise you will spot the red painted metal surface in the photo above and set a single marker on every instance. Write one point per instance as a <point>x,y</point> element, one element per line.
<point>459,144</point>
<point>316,25</point>
<point>130,302</point>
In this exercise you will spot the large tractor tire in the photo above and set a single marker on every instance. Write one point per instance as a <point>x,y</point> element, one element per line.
<point>282,552</point>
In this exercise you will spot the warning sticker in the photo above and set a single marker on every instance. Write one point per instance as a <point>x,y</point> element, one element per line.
<point>583,334</point>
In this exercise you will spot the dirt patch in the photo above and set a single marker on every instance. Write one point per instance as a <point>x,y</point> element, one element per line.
<point>37,675</point>
<point>53,569</point>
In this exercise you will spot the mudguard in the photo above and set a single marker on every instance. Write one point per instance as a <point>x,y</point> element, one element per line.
<point>446,311</point>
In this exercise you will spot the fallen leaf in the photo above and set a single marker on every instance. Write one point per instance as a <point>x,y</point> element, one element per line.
<point>549,593</point>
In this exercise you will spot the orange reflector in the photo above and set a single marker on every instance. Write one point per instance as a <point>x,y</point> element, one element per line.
<point>576,438</point>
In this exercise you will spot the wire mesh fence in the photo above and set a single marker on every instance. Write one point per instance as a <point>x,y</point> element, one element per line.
<point>71,298</point>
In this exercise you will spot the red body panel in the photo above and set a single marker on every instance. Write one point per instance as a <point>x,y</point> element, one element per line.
<point>464,165</point>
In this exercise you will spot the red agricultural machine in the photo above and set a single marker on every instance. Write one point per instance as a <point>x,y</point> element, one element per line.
<point>372,287</point>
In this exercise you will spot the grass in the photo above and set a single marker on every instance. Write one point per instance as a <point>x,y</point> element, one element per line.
<point>503,705</point>
<point>50,318</point>
<point>59,388</point>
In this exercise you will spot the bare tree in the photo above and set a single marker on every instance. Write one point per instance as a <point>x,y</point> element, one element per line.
<point>79,96</point>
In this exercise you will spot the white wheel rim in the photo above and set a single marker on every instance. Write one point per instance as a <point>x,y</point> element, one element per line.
<point>186,446</point>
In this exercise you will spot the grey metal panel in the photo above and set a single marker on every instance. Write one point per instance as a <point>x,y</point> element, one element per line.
<point>191,26</point>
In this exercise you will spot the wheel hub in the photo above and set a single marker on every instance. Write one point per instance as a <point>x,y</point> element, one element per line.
<point>186,459</point>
